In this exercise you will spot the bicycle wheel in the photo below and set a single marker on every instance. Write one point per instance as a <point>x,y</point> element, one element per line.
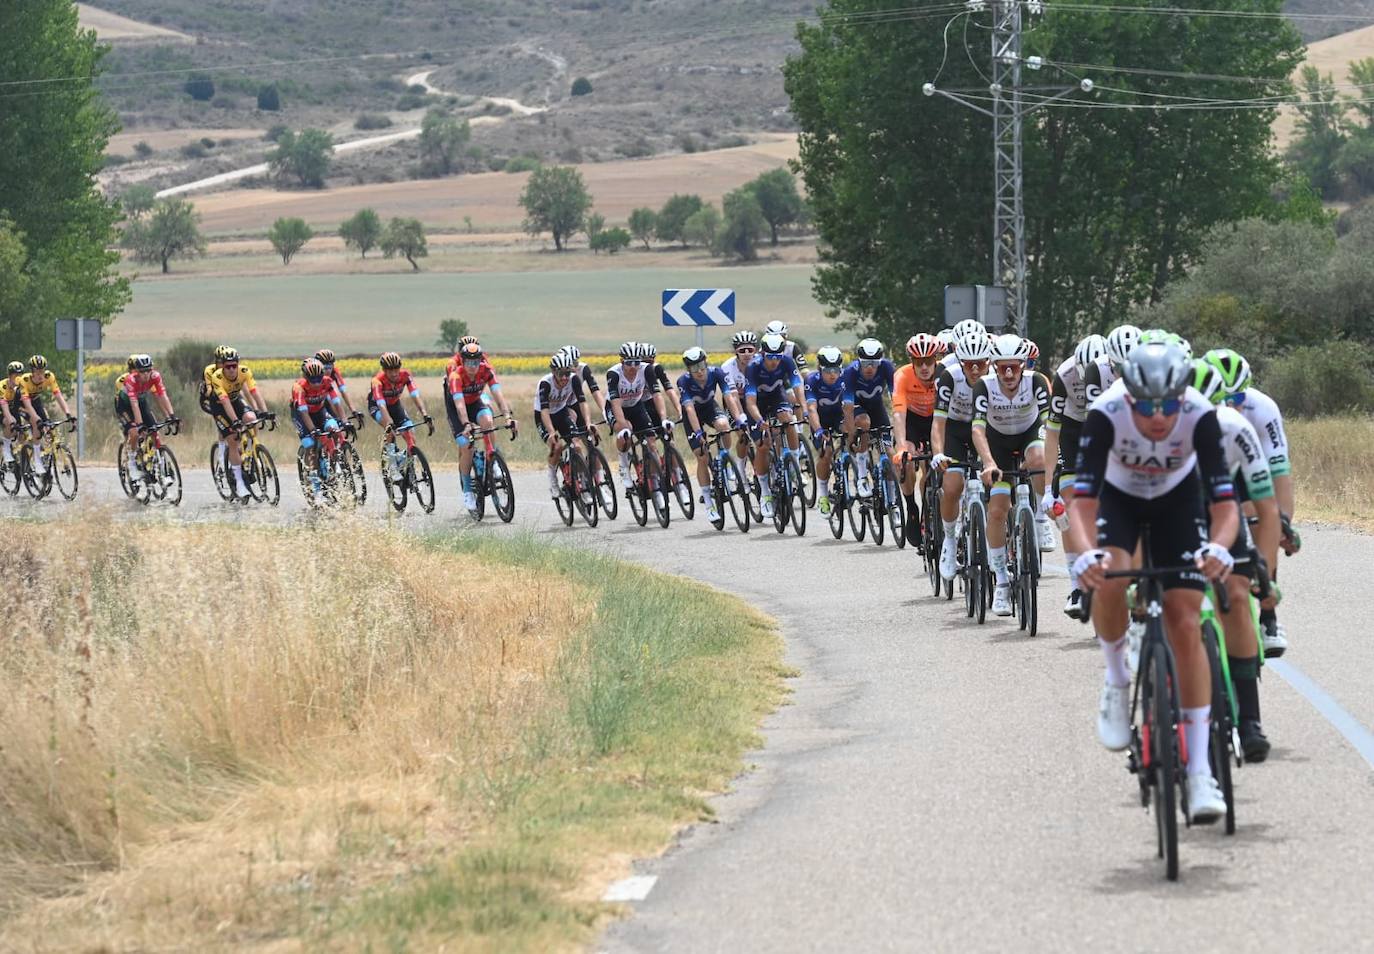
<point>63,467</point>
<point>502,487</point>
<point>656,486</point>
<point>755,495</point>
<point>584,494</point>
<point>1220,740</point>
<point>858,513</point>
<point>737,493</point>
<point>10,478</point>
<point>978,558</point>
<point>934,537</point>
<point>421,480</point>
<point>219,471</point>
<point>38,485</point>
<point>969,574</point>
<point>782,503</point>
<point>796,490</point>
<point>806,464</point>
<point>876,507</point>
<point>679,482</point>
<point>1028,573</point>
<point>564,501</point>
<point>1164,760</point>
<point>396,490</point>
<point>896,505</point>
<point>837,503</point>
<point>171,476</point>
<point>350,458</point>
<point>638,494</point>
<point>307,478</point>
<point>604,482</point>
<point>266,486</point>
<point>719,496</point>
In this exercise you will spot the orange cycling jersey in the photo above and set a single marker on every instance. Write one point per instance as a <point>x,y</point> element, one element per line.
<point>385,389</point>
<point>912,395</point>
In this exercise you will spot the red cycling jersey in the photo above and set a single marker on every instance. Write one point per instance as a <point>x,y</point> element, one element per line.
<point>312,397</point>
<point>383,388</point>
<point>136,388</point>
<point>471,385</point>
<point>336,376</point>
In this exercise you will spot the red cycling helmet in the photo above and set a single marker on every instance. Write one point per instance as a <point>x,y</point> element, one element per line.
<point>924,346</point>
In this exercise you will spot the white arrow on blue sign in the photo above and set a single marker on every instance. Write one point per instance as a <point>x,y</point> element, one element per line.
<point>687,307</point>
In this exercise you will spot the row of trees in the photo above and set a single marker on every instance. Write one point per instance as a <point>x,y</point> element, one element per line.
<point>1334,145</point>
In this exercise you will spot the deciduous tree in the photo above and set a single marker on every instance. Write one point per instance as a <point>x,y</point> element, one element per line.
<point>555,200</point>
<point>170,231</point>
<point>288,236</point>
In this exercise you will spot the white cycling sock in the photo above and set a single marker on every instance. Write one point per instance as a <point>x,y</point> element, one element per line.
<point>624,462</point>
<point>861,461</point>
<point>238,472</point>
<point>1115,654</point>
<point>1198,726</point>
<point>1071,558</point>
<point>763,485</point>
<point>997,556</point>
<point>9,454</point>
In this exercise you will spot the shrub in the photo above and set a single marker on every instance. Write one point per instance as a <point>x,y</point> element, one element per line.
<point>372,121</point>
<point>224,102</point>
<point>194,150</point>
<point>638,148</point>
<point>142,149</point>
<point>582,86</point>
<point>200,87</point>
<point>207,142</point>
<point>412,101</point>
<point>525,163</point>
<point>610,240</point>
<point>269,98</point>
<point>1322,379</point>
<point>186,359</point>
<point>276,131</point>
<point>418,88</point>
<point>688,143</point>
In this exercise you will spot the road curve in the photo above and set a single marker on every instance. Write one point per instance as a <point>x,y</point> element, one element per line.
<point>935,785</point>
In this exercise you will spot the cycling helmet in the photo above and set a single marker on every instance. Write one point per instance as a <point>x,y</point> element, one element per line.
<point>227,355</point>
<point>947,336</point>
<point>312,368</point>
<point>1032,351</point>
<point>1159,334</point>
<point>1234,370</point>
<point>1090,350</point>
<point>471,352</point>
<point>324,356</point>
<point>629,351</point>
<point>1207,380</point>
<point>976,346</point>
<point>1157,371</point>
<point>1009,348</point>
<point>38,363</point>
<point>743,338</point>
<point>776,328</point>
<point>647,351</point>
<point>391,361</point>
<point>17,367</point>
<point>467,340</point>
<point>142,362</point>
<point>219,353</point>
<point>693,355</point>
<point>561,360</point>
<point>967,325</point>
<point>571,351</point>
<point>1121,340</point>
<point>924,346</point>
<point>773,344</point>
<point>830,358</point>
<point>870,349</point>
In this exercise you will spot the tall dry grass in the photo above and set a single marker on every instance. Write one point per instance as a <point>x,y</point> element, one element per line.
<point>207,732</point>
<point>1333,460</point>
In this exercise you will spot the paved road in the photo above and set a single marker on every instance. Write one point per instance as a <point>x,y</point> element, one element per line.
<point>938,786</point>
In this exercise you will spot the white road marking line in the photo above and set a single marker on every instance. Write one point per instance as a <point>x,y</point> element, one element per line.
<point>635,888</point>
<point>1345,723</point>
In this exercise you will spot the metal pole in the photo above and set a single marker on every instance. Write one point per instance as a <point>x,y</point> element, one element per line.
<point>1009,217</point>
<point>80,389</point>
<point>701,337</point>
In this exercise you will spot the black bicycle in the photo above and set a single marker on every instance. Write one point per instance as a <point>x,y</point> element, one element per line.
<point>785,479</point>
<point>648,488</point>
<point>1023,548</point>
<point>602,477</point>
<point>677,479</point>
<point>577,493</point>
<point>727,482</point>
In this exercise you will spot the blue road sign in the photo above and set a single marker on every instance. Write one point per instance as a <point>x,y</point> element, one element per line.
<point>688,307</point>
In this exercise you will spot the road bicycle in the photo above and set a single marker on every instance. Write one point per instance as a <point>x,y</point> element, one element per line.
<point>647,484</point>
<point>59,466</point>
<point>1023,548</point>
<point>785,480</point>
<point>491,477</point>
<point>10,477</point>
<point>933,527</point>
<point>975,571</point>
<point>678,479</point>
<point>727,481</point>
<point>577,493</point>
<point>259,469</point>
<point>843,480</point>
<point>806,463</point>
<point>159,474</point>
<point>885,503</point>
<point>330,471</point>
<point>405,471</point>
<point>1158,751</point>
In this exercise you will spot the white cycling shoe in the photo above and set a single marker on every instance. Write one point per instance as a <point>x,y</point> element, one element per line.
<point>469,500</point>
<point>1275,640</point>
<point>1073,608</point>
<point>1114,717</point>
<point>1045,530</point>
<point>865,485</point>
<point>627,481</point>
<point>1205,802</point>
<point>949,560</point>
<point>766,507</point>
<point>1001,600</point>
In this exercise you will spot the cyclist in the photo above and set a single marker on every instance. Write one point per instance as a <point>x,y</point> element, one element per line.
<point>868,377</point>
<point>558,409</point>
<point>9,408</point>
<point>955,335</point>
<point>205,395</point>
<point>1150,449</point>
<point>825,414</point>
<point>133,408</point>
<point>913,411</point>
<point>1263,414</point>
<point>951,435</point>
<point>229,384</point>
<point>665,386</point>
<point>386,408</point>
<point>1105,370</point>
<point>32,387</point>
<point>697,389</point>
<point>590,388</point>
<point>470,375</point>
<point>768,380</point>
<point>313,396</point>
<point>631,393</point>
<point>1068,410</point>
<point>797,355</point>
<point>1253,483</point>
<point>331,370</point>
<point>1009,408</point>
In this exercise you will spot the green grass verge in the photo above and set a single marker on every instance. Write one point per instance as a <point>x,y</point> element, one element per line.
<point>652,709</point>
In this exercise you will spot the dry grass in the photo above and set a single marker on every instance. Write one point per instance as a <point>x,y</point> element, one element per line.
<point>1332,55</point>
<point>113,28</point>
<point>123,143</point>
<point>1334,458</point>
<point>209,734</point>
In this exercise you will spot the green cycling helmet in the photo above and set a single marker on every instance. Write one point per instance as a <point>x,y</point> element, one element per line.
<point>1159,334</point>
<point>1234,370</point>
<point>1207,380</point>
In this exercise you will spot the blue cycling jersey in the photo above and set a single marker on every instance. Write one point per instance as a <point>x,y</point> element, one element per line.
<point>704,392</point>
<point>858,389</point>
<point>824,395</point>
<point>759,380</point>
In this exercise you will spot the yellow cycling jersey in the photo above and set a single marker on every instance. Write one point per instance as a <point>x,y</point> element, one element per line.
<point>45,383</point>
<point>119,382</point>
<point>221,386</point>
<point>208,376</point>
<point>9,393</point>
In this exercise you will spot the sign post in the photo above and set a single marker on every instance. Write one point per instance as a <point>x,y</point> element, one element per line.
<point>985,303</point>
<point>79,335</point>
<point>698,308</point>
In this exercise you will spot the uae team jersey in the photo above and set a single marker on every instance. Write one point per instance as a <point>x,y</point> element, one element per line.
<point>1010,414</point>
<point>1068,396</point>
<point>631,391</point>
<point>553,397</point>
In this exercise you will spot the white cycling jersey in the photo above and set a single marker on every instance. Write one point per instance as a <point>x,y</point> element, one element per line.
<point>1069,394</point>
<point>631,391</point>
<point>552,397</point>
<point>1244,453</point>
<point>954,395</point>
<point>1264,416</point>
<point>950,360</point>
<point>1009,414</point>
<point>1098,377</point>
<point>734,376</point>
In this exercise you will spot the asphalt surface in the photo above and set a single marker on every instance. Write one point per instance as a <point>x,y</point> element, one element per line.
<point>938,785</point>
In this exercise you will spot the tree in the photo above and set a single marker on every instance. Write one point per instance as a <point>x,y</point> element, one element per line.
<point>200,88</point>
<point>593,225</point>
<point>673,216</point>
<point>582,86</point>
<point>1355,163</point>
<point>305,156</point>
<point>171,230</point>
<point>138,200</point>
<point>779,201</point>
<point>269,98</point>
<point>363,231</point>
<point>405,237</point>
<point>611,240</point>
<point>555,200</point>
<point>702,227</point>
<point>450,331</point>
<point>288,236</point>
<point>57,230</point>
<point>1320,132</point>
<point>442,138</point>
<point>1118,201</point>
<point>642,224</point>
<point>744,225</point>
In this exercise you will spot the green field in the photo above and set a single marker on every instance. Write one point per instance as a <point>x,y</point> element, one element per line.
<point>525,311</point>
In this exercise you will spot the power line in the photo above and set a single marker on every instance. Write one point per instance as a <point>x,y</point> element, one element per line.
<point>1052,5</point>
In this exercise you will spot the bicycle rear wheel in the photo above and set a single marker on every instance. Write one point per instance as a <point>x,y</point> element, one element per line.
<point>679,483</point>
<point>584,494</point>
<point>219,471</point>
<point>266,486</point>
<point>638,494</point>
<point>806,464</point>
<point>838,506</point>
<point>564,501</point>
<point>1164,761</point>
<point>38,485</point>
<point>64,472</point>
<point>10,479</point>
<point>719,495</point>
<point>307,478</point>
<point>604,482</point>
<point>1220,736</point>
<point>934,539</point>
<point>978,561</point>
<point>501,486</point>
<point>396,490</point>
<point>655,484</point>
<point>171,476</point>
<point>421,480</point>
<point>349,457</point>
<point>797,493</point>
<point>858,512</point>
<point>896,505</point>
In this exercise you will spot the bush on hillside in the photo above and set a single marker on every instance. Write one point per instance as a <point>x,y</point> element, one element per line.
<point>186,359</point>
<point>1331,378</point>
<point>200,88</point>
<point>582,86</point>
<point>269,98</point>
<point>372,121</point>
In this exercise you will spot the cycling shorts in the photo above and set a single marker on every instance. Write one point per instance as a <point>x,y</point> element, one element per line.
<point>706,413</point>
<point>564,422</point>
<point>395,416</point>
<point>1067,466</point>
<point>876,411</point>
<point>771,402</point>
<point>959,442</point>
<point>641,417</point>
<point>831,417</point>
<point>320,419</point>
<point>124,410</point>
<point>1177,522</point>
<point>918,428</point>
<point>1005,446</point>
<point>222,422</point>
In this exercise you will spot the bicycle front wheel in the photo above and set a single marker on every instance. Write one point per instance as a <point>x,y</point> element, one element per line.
<point>934,539</point>
<point>656,486</point>
<point>584,494</point>
<point>396,490</point>
<point>1220,741</point>
<point>10,478</point>
<point>38,485</point>
<point>719,496</point>
<point>977,560</point>
<point>858,512</point>
<point>796,492</point>
<point>501,486</point>
<point>604,482</point>
<point>63,466</point>
<point>1164,759</point>
<point>350,459</point>
<point>564,501</point>
<point>421,480</point>
<point>219,472</point>
<point>638,493</point>
<point>266,486</point>
<point>1028,573</point>
<point>679,482</point>
<point>896,505</point>
<point>737,493</point>
<point>170,474</point>
<point>806,459</point>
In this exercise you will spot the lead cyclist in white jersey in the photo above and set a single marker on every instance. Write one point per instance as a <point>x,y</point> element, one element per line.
<point>1150,450</point>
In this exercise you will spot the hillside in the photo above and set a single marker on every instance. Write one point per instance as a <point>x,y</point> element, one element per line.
<point>1331,11</point>
<point>1334,56</point>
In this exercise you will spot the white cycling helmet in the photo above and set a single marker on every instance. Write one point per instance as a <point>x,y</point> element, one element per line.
<point>870,349</point>
<point>1121,341</point>
<point>976,346</point>
<point>776,328</point>
<point>1010,348</point>
<point>830,358</point>
<point>562,361</point>
<point>694,355</point>
<point>572,351</point>
<point>967,325</point>
<point>772,344</point>
<point>948,336</point>
<point>1089,351</point>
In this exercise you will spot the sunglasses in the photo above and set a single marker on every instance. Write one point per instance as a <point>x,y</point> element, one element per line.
<point>1148,408</point>
<point>1235,400</point>
<point>631,364</point>
<point>1009,367</point>
<point>772,357</point>
<point>562,375</point>
<point>315,379</point>
<point>746,352</point>
<point>231,367</point>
